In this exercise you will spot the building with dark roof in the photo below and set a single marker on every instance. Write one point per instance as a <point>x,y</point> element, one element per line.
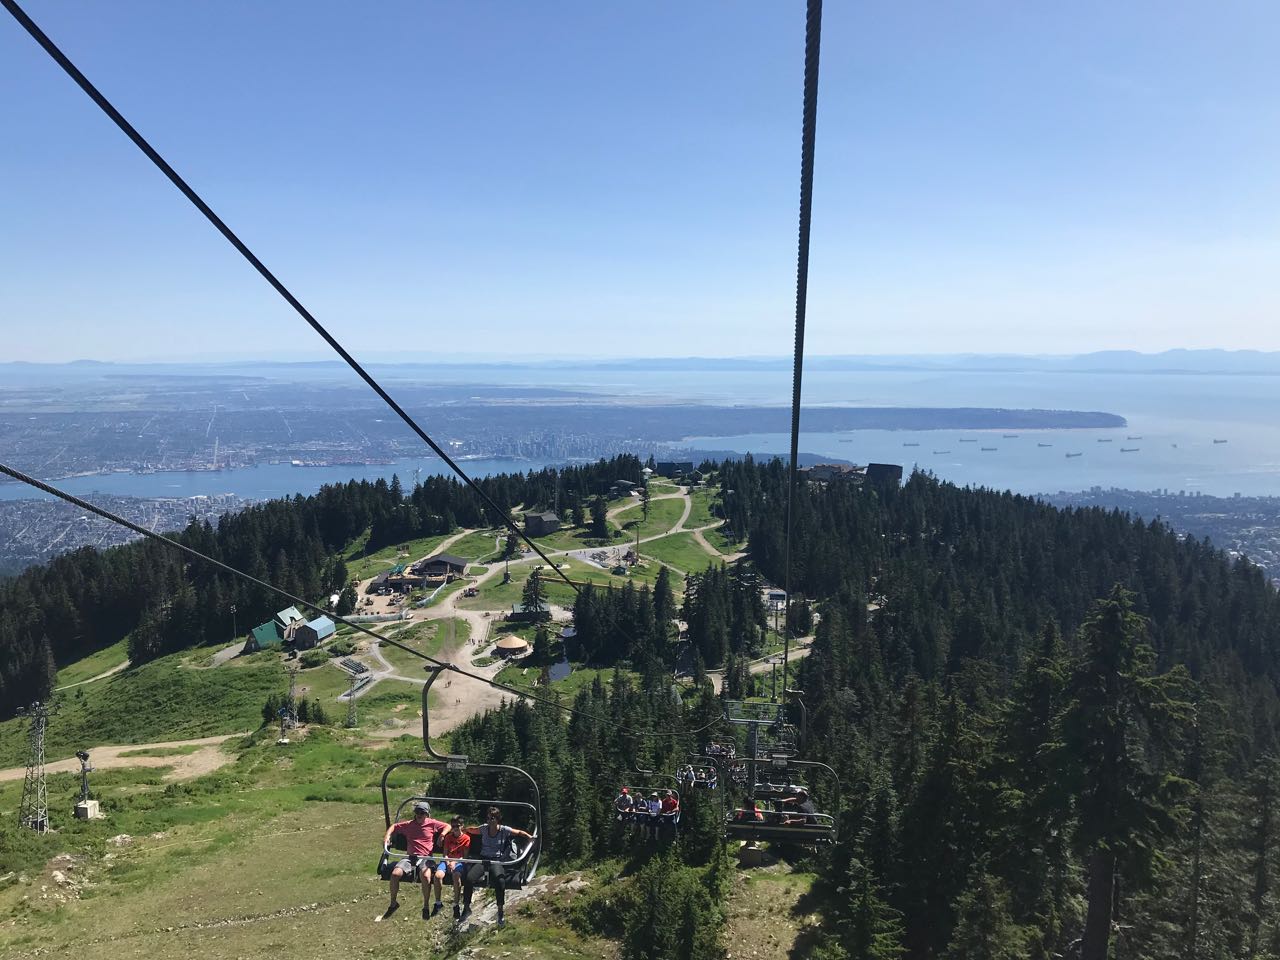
<point>541,524</point>
<point>313,632</point>
<point>884,473</point>
<point>522,614</point>
<point>674,468</point>
<point>443,565</point>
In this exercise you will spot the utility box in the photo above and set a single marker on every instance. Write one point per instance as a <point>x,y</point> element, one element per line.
<point>88,810</point>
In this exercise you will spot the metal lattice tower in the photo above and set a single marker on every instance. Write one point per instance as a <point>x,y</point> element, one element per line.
<point>292,703</point>
<point>351,701</point>
<point>33,813</point>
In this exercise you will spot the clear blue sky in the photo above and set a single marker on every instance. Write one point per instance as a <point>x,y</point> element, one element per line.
<point>621,178</point>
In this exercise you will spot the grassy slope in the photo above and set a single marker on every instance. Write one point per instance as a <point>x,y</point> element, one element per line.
<point>361,567</point>
<point>270,856</point>
<point>722,543</point>
<point>574,538</point>
<point>161,700</point>
<point>679,550</point>
<point>478,545</point>
<point>700,515</point>
<point>94,664</point>
<point>435,638</point>
<point>663,515</point>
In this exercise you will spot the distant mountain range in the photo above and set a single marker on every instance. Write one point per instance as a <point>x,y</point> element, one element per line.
<point>1106,361</point>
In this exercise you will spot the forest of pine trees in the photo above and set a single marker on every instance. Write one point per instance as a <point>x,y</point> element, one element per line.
<point>88,599</point>
<point>1057,730</point>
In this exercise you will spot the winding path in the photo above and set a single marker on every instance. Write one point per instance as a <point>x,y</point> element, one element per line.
<point>102,676</point>
<point>185,765</point>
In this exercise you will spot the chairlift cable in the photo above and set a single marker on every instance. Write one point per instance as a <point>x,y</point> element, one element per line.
<point>191,551</point>
<point>812,48</point>
<point>163,165</point>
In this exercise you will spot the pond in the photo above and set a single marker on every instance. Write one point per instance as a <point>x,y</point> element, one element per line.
<point>560,671</point>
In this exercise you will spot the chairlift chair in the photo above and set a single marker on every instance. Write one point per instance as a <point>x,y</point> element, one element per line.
<point>804,829</point>
<point>645,784</point>
<point>523,865</point>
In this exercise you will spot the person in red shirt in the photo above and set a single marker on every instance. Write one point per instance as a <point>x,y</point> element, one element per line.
<point>457,844</point>
<point>670,808</point>
<point>420,832</point>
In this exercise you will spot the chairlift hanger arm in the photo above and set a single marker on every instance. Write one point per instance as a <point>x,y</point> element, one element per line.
<point>439,766</point>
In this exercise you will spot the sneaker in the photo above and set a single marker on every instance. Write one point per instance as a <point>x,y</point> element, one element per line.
<point>391,908</point>
<point>466,913</point>
<point>502,922</point>
<point>437,908</point>
<point>457,911</point>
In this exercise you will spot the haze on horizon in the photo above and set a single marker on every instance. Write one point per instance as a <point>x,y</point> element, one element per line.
<point>617,182</point>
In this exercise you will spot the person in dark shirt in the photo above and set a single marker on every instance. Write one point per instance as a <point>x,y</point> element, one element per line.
<point>800,809</point>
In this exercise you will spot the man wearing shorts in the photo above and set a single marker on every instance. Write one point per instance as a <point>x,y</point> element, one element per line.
<point>420,833</point>
<point>457,844</point>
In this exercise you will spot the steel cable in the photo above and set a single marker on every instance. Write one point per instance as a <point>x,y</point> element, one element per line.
<point>187,191</point>
<point>812,49</point>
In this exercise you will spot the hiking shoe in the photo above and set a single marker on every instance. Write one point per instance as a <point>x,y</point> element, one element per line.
<point>466,914</point>
<point>502,922</point>
<point>391,908</point>
<point>457,911</point>
<point>437,908</point>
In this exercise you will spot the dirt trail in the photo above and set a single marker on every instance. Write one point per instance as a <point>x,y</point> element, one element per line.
<point>185,766</point>
<point>799,650</point>
<point>769,914</point>
<point>102,676</point>
<point>706,544</point>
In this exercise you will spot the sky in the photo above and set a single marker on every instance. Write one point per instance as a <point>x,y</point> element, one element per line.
<point>610,179</point>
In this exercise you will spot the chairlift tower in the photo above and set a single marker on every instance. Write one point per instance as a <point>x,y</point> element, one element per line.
<point>351,701</point>
<point>33,812</point>
<point>292,703</point>
<point>85,808</point>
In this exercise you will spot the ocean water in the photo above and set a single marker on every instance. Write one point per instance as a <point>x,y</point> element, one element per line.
<point>263,482</point>
<point>1177,416</point>
<point>1174,419</point>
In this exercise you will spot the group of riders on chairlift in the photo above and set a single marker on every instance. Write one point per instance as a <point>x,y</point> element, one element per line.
<point>659,813</point>
<point>491,844</point>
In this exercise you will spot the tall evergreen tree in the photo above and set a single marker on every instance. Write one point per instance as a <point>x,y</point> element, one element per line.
<point>1117,712</point>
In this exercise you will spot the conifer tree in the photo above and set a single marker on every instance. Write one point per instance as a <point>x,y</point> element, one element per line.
<point>984,925</point>
<point>870,929</point>
<point>599,518</point>
<point>533,596</point>
<point>1116,710</point>
<point>347,600</point>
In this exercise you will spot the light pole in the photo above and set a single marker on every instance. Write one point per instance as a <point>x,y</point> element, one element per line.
<point>235,633</point>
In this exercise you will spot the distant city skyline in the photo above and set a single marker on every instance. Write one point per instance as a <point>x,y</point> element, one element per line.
<point>578,180</point>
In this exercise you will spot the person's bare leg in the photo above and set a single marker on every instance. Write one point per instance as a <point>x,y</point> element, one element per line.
<point>396,874</point>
